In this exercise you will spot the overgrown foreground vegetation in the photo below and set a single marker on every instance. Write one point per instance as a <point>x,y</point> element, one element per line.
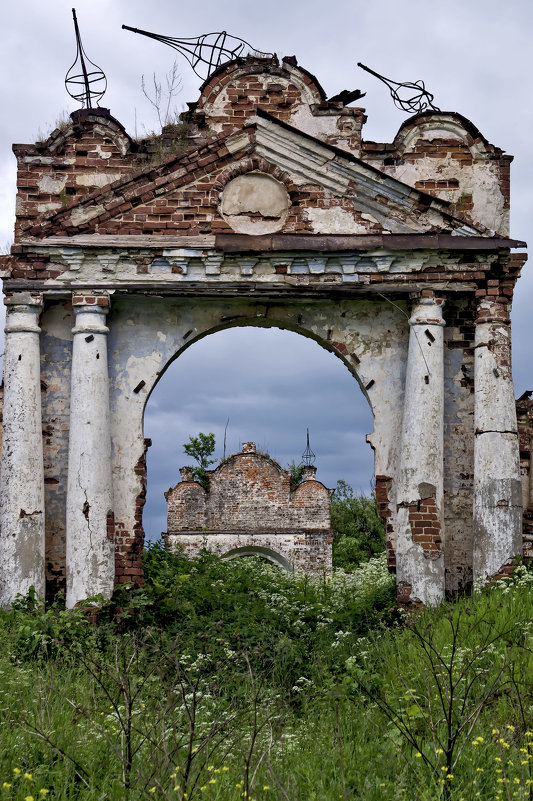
<point>236,681</point>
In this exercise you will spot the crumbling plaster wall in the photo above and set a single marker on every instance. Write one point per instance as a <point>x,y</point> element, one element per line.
<point>446,156</point>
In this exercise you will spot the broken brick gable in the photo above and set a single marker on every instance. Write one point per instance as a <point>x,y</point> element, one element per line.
<point>335,193</point>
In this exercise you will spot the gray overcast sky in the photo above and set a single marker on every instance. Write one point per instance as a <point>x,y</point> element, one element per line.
<point>474,56</point>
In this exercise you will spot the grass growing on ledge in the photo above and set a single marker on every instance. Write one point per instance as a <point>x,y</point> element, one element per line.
<point>234,680</point>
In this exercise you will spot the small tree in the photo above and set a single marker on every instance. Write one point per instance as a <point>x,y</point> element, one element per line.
<point>358,528</point>
<point>296,473</point>
<point>201,448</point>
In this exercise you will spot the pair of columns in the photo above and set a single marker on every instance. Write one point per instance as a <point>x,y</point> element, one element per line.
<point>89,531</point>
<point>497,503</point>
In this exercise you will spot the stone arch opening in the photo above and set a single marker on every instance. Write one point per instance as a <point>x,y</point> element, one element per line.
<point>258,552</point>
<point>258,320</point>
<point>334,425</point>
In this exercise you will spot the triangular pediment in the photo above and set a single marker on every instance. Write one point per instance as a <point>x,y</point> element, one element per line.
<point>266,178</point>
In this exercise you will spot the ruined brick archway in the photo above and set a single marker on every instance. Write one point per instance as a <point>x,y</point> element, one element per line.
<point>234,510</point>
<point>262,553</point>
<point>270,207</point>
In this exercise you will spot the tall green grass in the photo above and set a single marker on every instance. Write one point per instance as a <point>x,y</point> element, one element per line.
<point>235,681</point>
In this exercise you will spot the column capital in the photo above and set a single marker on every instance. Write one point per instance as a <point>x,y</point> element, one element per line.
<point>88,298</point>
<point>22,312</point>
<point>24,299</point>
<point>492,310</point>
<point>427,311</point>
<point>90,311</point>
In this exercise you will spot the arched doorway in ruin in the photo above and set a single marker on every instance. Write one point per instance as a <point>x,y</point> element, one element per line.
<point>271,384</point>
<point>256,552</point>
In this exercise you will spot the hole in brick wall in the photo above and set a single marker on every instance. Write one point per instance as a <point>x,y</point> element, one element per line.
<point>272,384</point>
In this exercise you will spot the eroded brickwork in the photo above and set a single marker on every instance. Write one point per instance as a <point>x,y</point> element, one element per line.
<point>129,544</point>
<point>250,508</point>
<point>265,206</point>
<point>524,411</point>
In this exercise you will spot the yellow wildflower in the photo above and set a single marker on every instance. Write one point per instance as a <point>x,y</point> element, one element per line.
<point>267,786</point>
<point>449,776</point>
<point>28,798</point>
<point>225,768</point>
<point>151,790</point>
<point>439,751</point>
<point>418,755</point>
<point>28,776</point>
<point>17,771</point>
<point>510,727</point>
<point>212,781</point>
<point>6,785</point>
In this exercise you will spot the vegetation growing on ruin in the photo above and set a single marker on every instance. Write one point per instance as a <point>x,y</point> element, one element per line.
<point>235,680</point>
<point>357,526</point>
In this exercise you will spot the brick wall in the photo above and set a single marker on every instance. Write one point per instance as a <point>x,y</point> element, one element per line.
<point>250,503</point>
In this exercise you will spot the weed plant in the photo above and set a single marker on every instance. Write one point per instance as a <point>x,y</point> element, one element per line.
<point>235,680</point>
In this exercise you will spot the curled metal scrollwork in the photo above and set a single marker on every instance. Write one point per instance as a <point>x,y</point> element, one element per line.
<point>418,101</point>
<point>81,82</point>
<point>207,52</point>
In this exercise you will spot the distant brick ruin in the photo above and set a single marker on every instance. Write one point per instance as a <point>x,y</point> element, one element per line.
<point>265,206</point>
<point>251,509</point>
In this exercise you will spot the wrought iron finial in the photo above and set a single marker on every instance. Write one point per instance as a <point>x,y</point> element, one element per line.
<point>419,101</point>
<point>208,51</point>
<point>83,84</point>
<point>308,457</point>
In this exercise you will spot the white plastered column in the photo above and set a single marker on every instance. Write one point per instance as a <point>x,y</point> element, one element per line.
<point>419,534</point>
<point>21,474</point>
<point>90,536</point>
<point>497,482</point>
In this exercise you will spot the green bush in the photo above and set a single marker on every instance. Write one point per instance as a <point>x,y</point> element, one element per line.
<point>358,529</point>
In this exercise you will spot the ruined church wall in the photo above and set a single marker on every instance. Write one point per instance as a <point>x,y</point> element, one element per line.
<point>137,355</point>
<point>145,336</point>
<point>306,551</point>
<point>447,157</point>
<point>248,492</point>
<point>186,507</point>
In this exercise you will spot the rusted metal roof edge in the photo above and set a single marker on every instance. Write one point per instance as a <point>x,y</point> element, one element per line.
<point>236,243</point>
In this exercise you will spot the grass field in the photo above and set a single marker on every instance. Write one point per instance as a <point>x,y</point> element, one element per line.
<point>235,680</point>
